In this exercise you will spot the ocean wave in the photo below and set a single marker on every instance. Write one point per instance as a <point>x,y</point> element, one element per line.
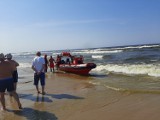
<point>97,52</point>
<point>97,56</point>
<point>24,65</point>
<point>110,50</point>
<point>24,54</point>
<point>137,47</point>
<point>138,58</point>
<point>144,69</point>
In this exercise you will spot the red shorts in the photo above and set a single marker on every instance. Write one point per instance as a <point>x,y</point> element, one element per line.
<point>51,66</point>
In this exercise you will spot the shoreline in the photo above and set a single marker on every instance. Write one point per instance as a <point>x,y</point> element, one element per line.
<point>72,97</point>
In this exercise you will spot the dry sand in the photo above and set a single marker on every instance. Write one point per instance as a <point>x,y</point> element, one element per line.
<point>72,97</point>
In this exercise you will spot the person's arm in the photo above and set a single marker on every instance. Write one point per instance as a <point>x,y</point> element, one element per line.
<point>34,69</point>
<point>17,64</point>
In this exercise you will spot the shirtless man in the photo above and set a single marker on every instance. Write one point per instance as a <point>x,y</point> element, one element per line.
<point>6,82</point>
<point>15,73</point>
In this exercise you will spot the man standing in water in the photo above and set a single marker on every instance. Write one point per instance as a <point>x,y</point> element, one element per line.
<point>15,65</point>
<point>38,65</point>
<point>6,82</point>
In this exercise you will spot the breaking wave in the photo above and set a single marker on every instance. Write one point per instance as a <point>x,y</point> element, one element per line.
<point>97,56</point>
<point>96,51</point>
<point>25,65</point>
<point>144,69</point>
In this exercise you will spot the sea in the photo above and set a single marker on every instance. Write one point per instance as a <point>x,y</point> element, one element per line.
<point>133,68</point>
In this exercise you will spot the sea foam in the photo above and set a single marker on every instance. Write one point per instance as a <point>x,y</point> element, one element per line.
<point>144,69</point>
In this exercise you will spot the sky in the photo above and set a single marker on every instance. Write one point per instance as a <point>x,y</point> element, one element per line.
<point>39,25</point>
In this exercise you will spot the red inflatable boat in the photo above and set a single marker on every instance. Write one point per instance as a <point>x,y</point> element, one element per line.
<point>73,64</point>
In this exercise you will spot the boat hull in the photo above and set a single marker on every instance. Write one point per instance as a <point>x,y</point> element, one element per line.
<point>81,69</point>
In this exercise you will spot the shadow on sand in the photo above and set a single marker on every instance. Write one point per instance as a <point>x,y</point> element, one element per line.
<point>64,96</point>
<point>35,98</point>
<point>32,114</point>
<point>45,98</point>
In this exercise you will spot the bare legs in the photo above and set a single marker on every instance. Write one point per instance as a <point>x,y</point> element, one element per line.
<point>14,94</point>
<point>52,69</point>
<point>2,99</point>
<point>43,92</point>
<point>16,97</point>
<point>37,88</point>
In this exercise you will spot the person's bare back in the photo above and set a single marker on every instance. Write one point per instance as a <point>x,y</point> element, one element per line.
<point>5,70</point>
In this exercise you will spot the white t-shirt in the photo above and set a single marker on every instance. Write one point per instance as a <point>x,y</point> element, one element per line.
<point>38,63</point>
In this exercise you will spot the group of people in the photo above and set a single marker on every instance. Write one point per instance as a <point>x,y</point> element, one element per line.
<point>49,63</point>
<point>8,79</point>
<point>9,75</point>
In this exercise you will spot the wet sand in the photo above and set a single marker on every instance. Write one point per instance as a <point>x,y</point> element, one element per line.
<point>72,97</point>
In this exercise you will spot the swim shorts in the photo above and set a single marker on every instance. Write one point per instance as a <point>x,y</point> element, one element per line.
<point>6,83</point>
<point>40,77</point>
<point>15,76</point>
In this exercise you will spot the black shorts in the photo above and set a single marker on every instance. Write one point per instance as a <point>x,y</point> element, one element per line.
<point>40,77</point>
<point>6,84</point>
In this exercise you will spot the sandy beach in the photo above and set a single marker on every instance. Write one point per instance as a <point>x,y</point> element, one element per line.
<point>110,49</point>
<point>73,97</point>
